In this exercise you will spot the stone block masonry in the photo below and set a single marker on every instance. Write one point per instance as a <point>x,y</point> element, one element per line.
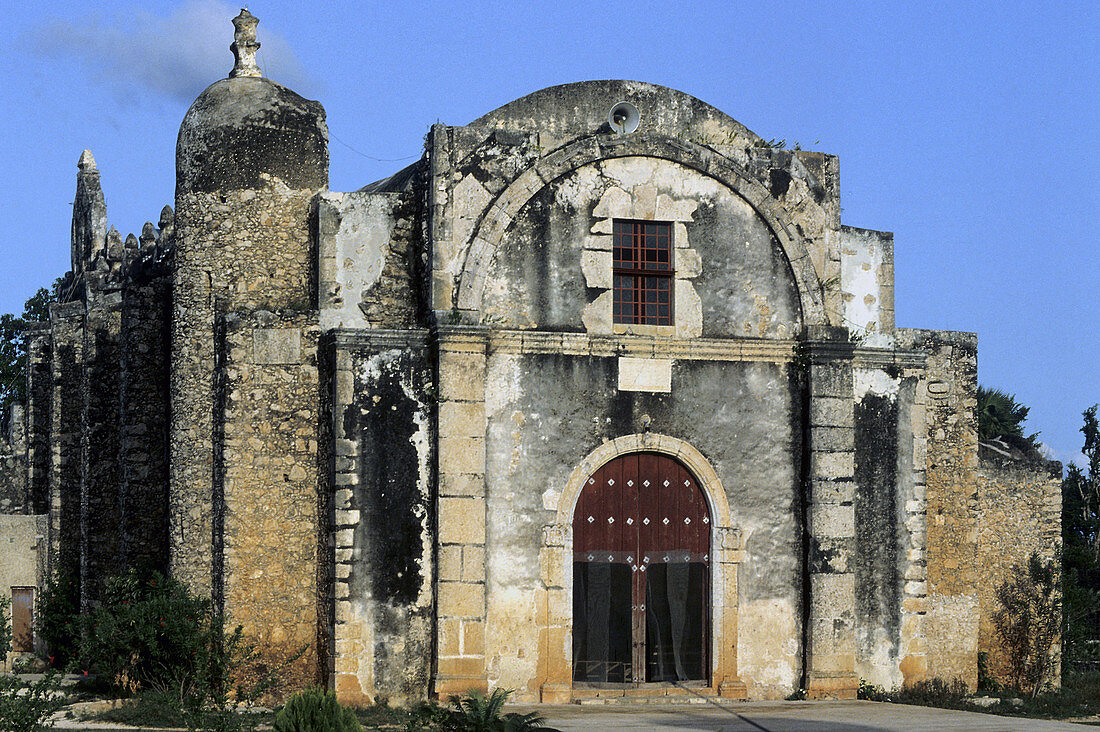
<point>268,421</point>
<point>1019,513</point>
<point>947,395</point>
<point>14,497</point>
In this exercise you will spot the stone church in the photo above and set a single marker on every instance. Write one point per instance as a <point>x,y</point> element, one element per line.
<point>597,398</point>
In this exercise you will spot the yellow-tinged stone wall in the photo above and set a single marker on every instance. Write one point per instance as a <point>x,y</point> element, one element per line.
<point>270,485</point>
<point>946,396</point>
<point>1020,512</point>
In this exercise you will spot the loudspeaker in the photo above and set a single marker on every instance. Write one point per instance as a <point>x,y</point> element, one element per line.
<point>624,118</point>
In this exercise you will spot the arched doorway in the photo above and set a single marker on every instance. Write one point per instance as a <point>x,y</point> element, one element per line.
<point>641,574</point>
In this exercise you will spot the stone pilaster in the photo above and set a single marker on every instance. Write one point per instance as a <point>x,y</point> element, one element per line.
<point>555,614</point>
<point>946,396</point>
<point>729,554</point>
<point>38,414</point>
<point>830,514</point>
<point>460,588</point>
<point>101,532</point>
<point>191,467</point>
<point>65,466</point>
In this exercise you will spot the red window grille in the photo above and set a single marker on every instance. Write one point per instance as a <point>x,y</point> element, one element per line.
<point>643,272</point>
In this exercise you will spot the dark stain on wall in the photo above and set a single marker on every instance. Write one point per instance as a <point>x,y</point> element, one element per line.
<point>878,586</point>
<point>389,496</point>
<point>566,406</point>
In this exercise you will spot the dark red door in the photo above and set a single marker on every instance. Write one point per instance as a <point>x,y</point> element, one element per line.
<point>641,543</point>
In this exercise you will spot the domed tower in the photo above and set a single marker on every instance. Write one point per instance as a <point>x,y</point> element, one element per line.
<point>250,158</point>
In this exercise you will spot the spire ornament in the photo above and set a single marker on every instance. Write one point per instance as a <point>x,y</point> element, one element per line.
<point>244,46</point>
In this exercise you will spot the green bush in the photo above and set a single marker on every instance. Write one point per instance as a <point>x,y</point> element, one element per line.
<point>476,712</point>
<point>59,621</point>
<point>27,707</point>
<point>315,710</point>
<point>1029,621</point>
<point>5,627</point>
<point>149,632</point>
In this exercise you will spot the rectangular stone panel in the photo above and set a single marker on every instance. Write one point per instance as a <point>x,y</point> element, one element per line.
<point>645,374</point>
<point>276,345</point>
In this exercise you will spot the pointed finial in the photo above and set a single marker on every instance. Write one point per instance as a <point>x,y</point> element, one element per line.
<point>244,45</point>
<point>87,162</point>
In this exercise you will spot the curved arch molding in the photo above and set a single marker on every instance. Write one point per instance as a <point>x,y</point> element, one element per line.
<point>500,213</point>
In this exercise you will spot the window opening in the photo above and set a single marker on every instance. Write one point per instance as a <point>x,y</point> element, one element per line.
<point>643,272</point>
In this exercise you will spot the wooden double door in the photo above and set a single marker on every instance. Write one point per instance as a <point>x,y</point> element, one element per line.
<point>641,574</point>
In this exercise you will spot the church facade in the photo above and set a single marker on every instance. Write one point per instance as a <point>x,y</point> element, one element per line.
<point>599,397</point>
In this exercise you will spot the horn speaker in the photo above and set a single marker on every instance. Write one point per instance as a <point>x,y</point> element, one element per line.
<point>624,118</point>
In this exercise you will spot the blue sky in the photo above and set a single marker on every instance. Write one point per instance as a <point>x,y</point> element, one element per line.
<point>966,128</point>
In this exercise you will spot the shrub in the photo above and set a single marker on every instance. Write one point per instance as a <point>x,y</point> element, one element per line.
<point>149,631</point>
<point>5,627</point>
<point>27,707</point>
<point>1029,621</point>
<point>59,621</point>
<point>315,710</point>
<point>476,712</point>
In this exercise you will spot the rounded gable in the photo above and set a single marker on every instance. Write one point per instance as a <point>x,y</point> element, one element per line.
<point>581,108</point>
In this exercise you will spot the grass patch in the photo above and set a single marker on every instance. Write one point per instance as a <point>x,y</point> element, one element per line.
<point>156,709</point>
<point>1078,697</point>
<point>383,716</point>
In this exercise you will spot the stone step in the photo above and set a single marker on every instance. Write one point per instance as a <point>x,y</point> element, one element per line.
<point>662,695</point>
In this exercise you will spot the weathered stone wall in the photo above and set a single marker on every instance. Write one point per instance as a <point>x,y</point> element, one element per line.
<point>1019,513</point>
<point>13,462</point>
<point>267,418</point>
<point>381,515</point>
<point>548,407</point>
<point>100,527</point>
<point>67,398</point>
<point>143,438</point>
<point>370,249</point>
<point>867,284</point>
<point>947,397</point>
<point>482,175</point>
<point>39,416</point>
<point>889,520</point>
<point>553,269</point>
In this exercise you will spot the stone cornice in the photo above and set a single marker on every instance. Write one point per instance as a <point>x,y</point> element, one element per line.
<point>882,357</point>
<point>464,337</point>
<point>693,349</point>
<point>378,339</point>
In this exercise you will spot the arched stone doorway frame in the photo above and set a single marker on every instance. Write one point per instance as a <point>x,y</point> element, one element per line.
<point>556,560</point>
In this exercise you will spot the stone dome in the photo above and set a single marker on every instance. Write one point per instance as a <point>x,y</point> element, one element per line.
<point>244,126</point>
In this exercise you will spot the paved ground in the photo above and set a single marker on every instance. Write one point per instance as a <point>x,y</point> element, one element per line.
<point>849,716</point>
